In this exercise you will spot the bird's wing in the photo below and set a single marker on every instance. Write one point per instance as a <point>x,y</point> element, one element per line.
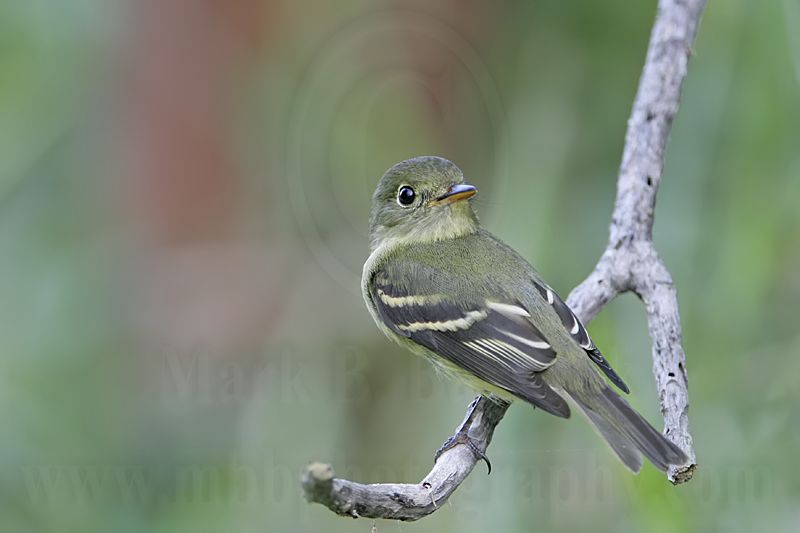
<point>579,333</point>
<point>491,338</point>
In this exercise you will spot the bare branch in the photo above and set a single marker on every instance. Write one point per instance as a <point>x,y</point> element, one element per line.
<point>629,263</point>
<point>408,501</point>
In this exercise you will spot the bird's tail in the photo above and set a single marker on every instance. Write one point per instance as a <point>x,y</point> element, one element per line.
<point>626,431</point>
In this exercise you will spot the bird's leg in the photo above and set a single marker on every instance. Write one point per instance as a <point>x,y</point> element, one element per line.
<point>461,436</point>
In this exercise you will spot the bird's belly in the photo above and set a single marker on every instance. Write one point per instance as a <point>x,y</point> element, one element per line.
<point>442,365</point>
<point>453,371</point>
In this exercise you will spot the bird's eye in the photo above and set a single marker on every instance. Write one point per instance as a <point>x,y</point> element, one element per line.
<point>405,196</point>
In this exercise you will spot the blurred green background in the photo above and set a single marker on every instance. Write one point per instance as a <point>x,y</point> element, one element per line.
<point>184,192</point>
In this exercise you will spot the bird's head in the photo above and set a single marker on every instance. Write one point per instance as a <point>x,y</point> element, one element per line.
<point>421,200</point>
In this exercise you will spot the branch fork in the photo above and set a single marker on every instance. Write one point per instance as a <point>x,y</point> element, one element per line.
<point>630,262</point>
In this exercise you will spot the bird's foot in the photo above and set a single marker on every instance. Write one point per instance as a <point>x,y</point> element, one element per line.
<point>462,437</point>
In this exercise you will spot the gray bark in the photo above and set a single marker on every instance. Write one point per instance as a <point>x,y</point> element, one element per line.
<point>629,263</point>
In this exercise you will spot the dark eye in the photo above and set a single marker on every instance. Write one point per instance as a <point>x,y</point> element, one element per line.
<point>405,196</point>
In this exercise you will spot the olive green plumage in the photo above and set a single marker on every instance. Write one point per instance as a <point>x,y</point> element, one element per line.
<point>449,290</point>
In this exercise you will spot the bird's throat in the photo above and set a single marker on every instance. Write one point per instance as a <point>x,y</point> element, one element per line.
<point>445,223</point>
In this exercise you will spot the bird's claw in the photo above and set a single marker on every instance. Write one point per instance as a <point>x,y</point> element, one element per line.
<point>461,437</point>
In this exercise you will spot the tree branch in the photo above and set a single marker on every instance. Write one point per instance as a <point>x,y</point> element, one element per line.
<point>408,501</point>
<point>629,263</point>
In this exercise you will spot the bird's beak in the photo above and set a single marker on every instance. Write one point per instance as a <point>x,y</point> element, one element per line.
<point>460,191</point>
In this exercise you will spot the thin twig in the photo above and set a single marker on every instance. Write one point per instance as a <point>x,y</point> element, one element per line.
<point>629,263</point>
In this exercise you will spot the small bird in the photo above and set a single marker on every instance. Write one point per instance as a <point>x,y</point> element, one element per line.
<point>441,285</point>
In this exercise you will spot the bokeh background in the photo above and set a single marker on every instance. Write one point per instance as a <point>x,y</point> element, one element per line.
<point>184,191</point>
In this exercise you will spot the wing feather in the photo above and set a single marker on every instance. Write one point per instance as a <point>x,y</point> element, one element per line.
<point>579,334</point>
<point>495,340</point>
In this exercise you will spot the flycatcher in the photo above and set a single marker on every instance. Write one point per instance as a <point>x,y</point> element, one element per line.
<point>441,285</point>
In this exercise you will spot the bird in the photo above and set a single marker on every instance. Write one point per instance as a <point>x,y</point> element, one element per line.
<point>441,285</point>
